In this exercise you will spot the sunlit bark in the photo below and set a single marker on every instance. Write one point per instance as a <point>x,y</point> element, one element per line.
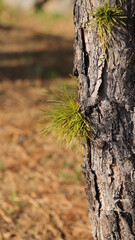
<point>109,162</point>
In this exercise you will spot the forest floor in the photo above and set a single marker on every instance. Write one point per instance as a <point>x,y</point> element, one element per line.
<point>42,190</point>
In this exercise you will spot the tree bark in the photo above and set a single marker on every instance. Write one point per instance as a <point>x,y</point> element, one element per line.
<point>107,90</point>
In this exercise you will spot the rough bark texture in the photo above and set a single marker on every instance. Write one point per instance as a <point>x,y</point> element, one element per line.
<point>107,93</point>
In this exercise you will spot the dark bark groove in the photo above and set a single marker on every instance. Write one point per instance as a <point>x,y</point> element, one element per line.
<point>107,98</point>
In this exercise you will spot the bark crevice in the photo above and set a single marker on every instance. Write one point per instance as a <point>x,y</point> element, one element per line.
<point>86,58</point>
<point>128,217</point>
<point>102,92</point>
<point>97,193</point>
<point>118,225</point>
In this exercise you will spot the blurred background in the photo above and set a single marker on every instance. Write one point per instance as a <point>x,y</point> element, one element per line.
<point>42,194</point>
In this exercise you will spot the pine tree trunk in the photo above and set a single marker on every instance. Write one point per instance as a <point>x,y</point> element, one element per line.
<point>107,90</point>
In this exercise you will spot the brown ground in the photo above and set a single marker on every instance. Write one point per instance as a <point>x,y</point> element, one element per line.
<point>41,186</point>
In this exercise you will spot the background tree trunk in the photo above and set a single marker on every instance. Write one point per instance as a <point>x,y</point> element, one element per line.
<point>109,162</point>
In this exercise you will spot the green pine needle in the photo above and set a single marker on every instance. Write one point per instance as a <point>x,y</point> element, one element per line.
<point>64,119</point>
<point>106,17</point>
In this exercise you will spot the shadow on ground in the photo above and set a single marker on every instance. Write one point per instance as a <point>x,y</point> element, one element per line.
<point>26,54</point>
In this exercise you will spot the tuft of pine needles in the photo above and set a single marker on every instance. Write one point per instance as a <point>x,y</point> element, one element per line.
<point>107,16</point>
<point>64,119</point>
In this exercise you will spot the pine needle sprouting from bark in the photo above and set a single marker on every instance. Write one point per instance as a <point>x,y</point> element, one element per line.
<point>64,119</point>
<point>106,17</point>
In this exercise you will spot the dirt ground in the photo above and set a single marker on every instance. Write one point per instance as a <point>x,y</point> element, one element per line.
<point>42,194</point>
